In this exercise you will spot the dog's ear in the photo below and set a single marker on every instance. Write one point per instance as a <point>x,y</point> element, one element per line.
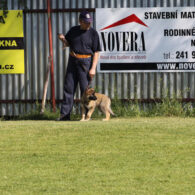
<point>86,90</point>
<point>91,91</point>
<point>88,87</point>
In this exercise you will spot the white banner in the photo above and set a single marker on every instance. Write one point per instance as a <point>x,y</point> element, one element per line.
<point>146,39</point>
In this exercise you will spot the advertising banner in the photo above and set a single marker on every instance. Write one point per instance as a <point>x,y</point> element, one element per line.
<point>12,43</point>
<point>146,39</point>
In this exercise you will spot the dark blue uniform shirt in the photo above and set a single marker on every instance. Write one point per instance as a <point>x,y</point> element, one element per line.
<point>83,41</point>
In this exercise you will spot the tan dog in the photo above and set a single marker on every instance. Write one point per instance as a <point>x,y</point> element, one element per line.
<point>90,100</point>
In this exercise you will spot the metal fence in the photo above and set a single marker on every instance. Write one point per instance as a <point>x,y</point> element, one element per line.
<point>19,93</point>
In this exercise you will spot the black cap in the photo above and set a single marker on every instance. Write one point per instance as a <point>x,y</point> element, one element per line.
<point>85,16</point>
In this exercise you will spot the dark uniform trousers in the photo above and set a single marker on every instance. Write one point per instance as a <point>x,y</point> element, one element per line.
<point>77,72</point>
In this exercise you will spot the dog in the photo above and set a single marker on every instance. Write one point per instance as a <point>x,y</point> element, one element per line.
<point>90,100</point>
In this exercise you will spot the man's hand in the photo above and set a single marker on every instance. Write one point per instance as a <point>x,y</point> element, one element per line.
<point>62,38</point>
<point>92,72</point>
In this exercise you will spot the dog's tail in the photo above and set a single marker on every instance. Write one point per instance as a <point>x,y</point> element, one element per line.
<point>111,112</point>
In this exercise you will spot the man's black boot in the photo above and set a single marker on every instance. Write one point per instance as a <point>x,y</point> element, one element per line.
<point>63,118</point>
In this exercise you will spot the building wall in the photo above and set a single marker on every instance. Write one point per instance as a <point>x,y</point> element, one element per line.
<point>18,93</point>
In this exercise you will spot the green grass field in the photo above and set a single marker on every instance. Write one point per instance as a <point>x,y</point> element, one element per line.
<point>123,156</point>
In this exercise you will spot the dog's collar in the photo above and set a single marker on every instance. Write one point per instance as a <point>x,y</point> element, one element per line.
<point>86,102</point>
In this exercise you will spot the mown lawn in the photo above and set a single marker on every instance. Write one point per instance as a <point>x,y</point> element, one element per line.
<point>123,156</point>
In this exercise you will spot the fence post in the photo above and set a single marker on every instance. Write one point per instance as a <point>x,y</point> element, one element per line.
<point>51,55</point>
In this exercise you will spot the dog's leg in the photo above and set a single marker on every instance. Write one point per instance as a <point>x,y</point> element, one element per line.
<point>90,112</point>
<point>83,113</point>
<point>107,116</point>
<point>106,112</point>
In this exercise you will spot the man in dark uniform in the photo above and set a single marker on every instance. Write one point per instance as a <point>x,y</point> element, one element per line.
<point>84,45</point>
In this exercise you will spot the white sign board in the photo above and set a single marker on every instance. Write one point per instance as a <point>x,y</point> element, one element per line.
<point>146,39</point>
